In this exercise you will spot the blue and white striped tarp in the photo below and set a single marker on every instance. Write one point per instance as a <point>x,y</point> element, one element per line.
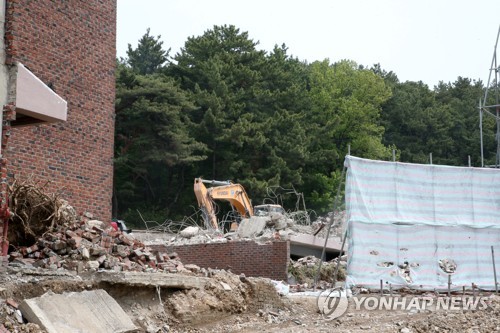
<point>404,218</point>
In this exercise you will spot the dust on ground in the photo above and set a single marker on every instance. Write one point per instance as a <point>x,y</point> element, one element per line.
<point>241,309</point>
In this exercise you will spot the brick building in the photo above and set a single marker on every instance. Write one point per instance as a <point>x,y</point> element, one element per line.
<point>69,48</point>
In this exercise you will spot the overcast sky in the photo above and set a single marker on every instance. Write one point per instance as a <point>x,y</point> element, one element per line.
<point>427,40</point>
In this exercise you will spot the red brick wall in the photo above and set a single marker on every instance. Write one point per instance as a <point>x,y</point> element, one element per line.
<point>70,46</point>
<point>250,258</point>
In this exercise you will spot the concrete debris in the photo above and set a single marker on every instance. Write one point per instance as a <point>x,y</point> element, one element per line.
<point>279,221</point>
<point>487,320</point>
<point>261,229</point>
<point>153,301</point>
<point>96,224</point>
<point>96,245</point>
<point>87,311</point>
<point>203,236</point>
<point>19,317</point>
<point>225,286</point>
<point>281,287</point>
<point>189,232</point>
<point>11,320</point>
<point>192,267</point>
<point>164,280</point>
<point>307,244</point>
<point>252,227</point>
<point>303,271</point>
<point>320,226</point>
<point>448,265</point>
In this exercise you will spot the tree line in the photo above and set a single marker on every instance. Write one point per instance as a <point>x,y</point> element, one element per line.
<point>222,109</point>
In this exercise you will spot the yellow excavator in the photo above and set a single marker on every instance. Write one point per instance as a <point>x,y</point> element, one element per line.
<point>235,194</point>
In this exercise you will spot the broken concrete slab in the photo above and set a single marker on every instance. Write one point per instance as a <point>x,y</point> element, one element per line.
<point>225,286</point>
<point>304,245</point>
<point>165,280</point>
<point>189,232</point>
<point>87,311</point>
<point>254,226</point>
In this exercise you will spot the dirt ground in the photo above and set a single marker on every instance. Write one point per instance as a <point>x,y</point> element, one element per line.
<point>152,310</point>
<point>302,316</point>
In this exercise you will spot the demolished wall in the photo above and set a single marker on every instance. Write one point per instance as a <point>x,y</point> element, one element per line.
<point>268,260</point>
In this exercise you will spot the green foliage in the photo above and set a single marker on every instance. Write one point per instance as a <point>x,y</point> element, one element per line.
<point>153,147</point>
<point>444,122</point>
<point>149,55</point>
<point>222,109</point>
<point>248,113</point>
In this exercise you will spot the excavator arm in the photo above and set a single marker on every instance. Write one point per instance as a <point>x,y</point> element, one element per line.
<point>205,203</point>
<point>235,194</point>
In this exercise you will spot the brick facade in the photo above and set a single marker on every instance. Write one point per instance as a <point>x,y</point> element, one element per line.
<point>252,259</point>
<point>71,46</point>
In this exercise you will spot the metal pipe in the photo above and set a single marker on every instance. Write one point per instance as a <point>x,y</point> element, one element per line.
<point>491,106</point>
<point>335,205</point>
<point>497,138</point>
<point>381,287</point>
<point>481,133</point>
<point>468,157</point>
<point>491,67</point>
<point>488,113</point>
<point>494,268</point>
<point>394,155</point>
<point>334,280</point>
<point>430,158</point>
<point>449,285</point>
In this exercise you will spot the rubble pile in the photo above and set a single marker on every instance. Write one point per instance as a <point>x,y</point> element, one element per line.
<point>270,235</point>
<point>11,319</point>
<point>195,235</point>
<point>336,218</point>
<point>302,272</point>
<point>487,320</point>
<point>91,245</point>
<point>225,293</point>
<point>276,227</point>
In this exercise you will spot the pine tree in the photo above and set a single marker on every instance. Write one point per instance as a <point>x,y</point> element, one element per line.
<point>148,57</point>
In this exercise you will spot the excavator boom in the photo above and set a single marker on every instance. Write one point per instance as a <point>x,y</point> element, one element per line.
<point>235,194</point>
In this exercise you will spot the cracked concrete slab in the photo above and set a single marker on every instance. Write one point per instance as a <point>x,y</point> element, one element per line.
<point>304,245</point>
<point>252,227</point>
<point>165,280</point>
<point>83,312</point>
